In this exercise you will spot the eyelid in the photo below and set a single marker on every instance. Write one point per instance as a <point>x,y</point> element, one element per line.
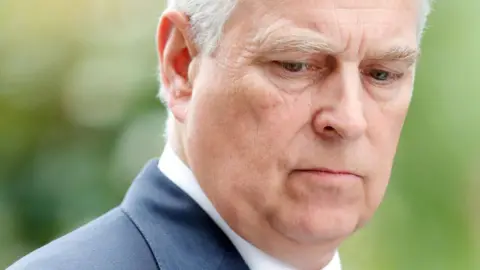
<point>280,63</point>
<point>383,67</point>
<point>316,68</point>
<point>293,56</point>
<point>392,66</point>
<point>396,76</point>
<point>293,81</point>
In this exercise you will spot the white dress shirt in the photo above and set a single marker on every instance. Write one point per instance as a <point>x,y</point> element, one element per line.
<point>174,168</point>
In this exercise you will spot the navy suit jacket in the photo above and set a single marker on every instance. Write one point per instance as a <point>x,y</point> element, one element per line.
<point>157,226</point>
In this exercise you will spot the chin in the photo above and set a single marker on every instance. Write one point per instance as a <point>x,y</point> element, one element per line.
<point>316,226</point>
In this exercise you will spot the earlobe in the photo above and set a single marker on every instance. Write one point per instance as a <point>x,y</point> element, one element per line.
<point>176,57</point>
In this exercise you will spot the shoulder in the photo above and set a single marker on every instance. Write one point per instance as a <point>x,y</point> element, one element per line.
<point>110,242</point>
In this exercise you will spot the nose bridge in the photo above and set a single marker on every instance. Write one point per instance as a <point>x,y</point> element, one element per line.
<point>350,91</point>
<point>342,109</point>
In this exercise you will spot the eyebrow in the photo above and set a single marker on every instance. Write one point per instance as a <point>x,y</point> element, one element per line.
<point>276,39</point>
<point>398,53</point>
<point>294,39</point>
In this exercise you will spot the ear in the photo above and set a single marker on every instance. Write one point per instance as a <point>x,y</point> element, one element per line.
<point>176,51</point>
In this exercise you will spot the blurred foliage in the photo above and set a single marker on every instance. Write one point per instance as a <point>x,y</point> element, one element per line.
<point>79,118</point>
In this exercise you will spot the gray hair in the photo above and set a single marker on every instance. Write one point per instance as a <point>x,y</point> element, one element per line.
<point>208,17</point>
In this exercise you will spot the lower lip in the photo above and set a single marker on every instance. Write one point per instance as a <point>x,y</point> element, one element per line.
<point>327,176</point>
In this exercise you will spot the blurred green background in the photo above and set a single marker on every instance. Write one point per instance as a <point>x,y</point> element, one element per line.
<point>79,118</point>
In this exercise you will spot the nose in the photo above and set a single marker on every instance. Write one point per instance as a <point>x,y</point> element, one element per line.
<point>341,110</point>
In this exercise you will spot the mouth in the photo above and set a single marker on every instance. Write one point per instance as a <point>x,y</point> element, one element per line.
<point>326,173</point>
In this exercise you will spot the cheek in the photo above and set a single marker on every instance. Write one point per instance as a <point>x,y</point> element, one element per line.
<point>386,123</point>
<point>254,123</point>
<point>280,119</point>
<point>240,117</point>
<point>275,111</point>
<point>246,130</point>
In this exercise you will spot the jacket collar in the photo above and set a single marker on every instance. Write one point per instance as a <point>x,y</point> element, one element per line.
<point>180,234</point>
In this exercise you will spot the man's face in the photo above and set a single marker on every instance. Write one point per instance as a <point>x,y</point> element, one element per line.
<point>294,121</point>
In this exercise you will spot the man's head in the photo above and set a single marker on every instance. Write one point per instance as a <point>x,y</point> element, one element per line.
<point>289,111</point>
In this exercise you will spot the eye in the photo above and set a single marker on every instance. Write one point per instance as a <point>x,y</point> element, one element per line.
<point>380,75</point>
<point>294,67</point>
<point>295,76</point>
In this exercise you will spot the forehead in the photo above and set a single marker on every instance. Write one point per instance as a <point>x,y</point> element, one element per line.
<point>371,5</point>
<point>352,10</point>
<point>358,24</point>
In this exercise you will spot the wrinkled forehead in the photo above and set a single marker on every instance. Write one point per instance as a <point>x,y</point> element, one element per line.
<point>371,5</point>
<point>339,11</point>
<point>341,21</point>
<point>343,4</point>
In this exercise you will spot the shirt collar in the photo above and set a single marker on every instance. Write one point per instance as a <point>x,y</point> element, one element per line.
<point>179,173</point>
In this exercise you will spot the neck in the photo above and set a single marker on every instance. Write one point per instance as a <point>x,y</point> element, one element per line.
<point>176,143</point>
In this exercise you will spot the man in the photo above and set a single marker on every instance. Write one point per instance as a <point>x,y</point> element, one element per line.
<point>284,122</point>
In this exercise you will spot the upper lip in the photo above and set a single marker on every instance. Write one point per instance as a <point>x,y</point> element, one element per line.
<point>331,171</point>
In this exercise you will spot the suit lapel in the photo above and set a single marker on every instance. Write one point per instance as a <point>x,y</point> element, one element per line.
<point>180,234</point>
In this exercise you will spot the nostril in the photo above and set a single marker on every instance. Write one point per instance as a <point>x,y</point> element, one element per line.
<point>328,128</point>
